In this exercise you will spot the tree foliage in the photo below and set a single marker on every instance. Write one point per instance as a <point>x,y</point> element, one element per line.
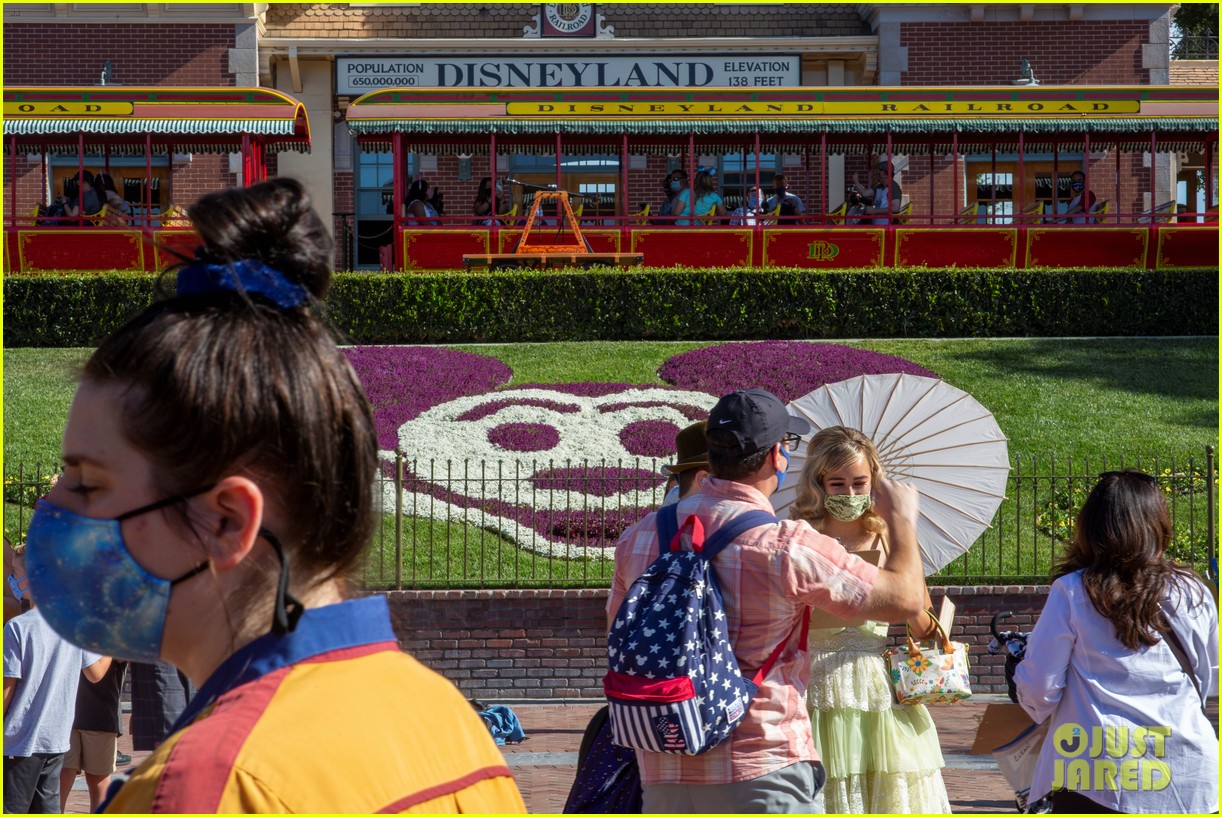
<point>1198,29</point>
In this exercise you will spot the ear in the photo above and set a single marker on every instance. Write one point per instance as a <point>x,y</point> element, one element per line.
<point>236,508</point>
<point>778,458</point>
<point>698,480</point>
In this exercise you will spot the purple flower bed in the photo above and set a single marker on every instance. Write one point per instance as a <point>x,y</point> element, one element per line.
<point>488,409</point>
<point>403,381</point>
<point>788,369</point>
<point>524,436</point>
<point>649,438</point>
<point>596,480</point>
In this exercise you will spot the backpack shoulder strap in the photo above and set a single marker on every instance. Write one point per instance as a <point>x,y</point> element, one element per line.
<point>668,526</point>
<point>716,543</point>
<point>730,531</point>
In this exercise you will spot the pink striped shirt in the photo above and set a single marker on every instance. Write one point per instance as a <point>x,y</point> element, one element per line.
<point>767,577</point>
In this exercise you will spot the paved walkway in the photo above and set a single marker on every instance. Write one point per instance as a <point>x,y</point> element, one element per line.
<point>546,761</point>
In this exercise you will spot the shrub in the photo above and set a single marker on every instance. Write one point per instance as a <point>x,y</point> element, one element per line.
<point>669,304</point>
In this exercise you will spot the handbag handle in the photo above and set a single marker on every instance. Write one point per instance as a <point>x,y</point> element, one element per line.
<point>947,646</point>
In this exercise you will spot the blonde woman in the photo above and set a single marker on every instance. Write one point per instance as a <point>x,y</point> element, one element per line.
<point>879,757</point>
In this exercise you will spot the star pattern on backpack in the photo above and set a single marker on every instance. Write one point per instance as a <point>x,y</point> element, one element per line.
<point>674,684</point>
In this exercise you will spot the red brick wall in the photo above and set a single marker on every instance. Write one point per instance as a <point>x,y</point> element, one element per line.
<point>1085,52</point>
<point>145,54</point>
<point>552,643</point>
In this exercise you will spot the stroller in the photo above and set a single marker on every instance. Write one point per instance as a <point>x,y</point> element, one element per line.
<point>1015,645</point>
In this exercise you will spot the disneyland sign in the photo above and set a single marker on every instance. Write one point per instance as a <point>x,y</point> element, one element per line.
<point>359,75</point>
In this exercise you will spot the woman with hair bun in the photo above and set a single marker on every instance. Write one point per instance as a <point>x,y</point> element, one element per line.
<point>1120,663</point>
<point>217,500</point>
<point>880,757</point>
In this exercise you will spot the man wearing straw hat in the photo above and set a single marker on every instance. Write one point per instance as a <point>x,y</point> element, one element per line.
<point>691,464</point>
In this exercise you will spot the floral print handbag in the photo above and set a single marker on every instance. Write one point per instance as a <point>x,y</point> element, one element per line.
<point>932,672</point>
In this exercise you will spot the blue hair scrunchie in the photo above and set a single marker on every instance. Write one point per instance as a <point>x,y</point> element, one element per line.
<point>248,275</point>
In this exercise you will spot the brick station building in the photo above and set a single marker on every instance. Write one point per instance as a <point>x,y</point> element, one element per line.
<point>327,54</point>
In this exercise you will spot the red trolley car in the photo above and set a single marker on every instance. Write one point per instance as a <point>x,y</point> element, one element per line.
<point>147,139</point>
<point>985,171</point>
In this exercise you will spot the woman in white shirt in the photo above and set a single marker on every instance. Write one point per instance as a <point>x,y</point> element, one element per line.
<point>1128,732</point>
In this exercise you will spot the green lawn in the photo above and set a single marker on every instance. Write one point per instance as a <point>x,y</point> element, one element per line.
<point>1072,398</point>
<point>1061,402</point>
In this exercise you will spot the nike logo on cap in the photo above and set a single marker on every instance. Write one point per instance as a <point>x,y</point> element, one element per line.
<point>723,422</point>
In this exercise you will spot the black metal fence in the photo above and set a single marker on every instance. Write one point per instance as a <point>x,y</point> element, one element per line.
<point>447,524</point>
<point>345,240</point>
<point>1194,47</point>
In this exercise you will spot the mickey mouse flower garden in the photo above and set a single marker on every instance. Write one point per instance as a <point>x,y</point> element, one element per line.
<point>562,469</point>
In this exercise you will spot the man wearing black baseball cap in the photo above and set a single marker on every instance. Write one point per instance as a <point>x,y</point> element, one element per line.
<point>770,576</point>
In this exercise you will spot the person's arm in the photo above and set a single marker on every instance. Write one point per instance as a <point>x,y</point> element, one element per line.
<point>899,590</point>
<point>14,647</point>
<point>680,204</point>
<point>97,670</point>
<point>922,625</point>
<point>1040,676</point>
<point>861,188</point>
<point>897,198</point>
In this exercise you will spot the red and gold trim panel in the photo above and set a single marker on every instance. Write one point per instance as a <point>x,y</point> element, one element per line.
<point>823,249</point>
<point>1084,246</point>
<point>84,250</point>
<point>1183,247</point>
<point>600,240</point>
<point>441,248</point>
<point>695,246</point>
<point>951,247</point>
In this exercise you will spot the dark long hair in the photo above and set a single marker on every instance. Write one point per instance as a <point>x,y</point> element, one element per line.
<point>1120,542</point>
<point>484,194</point>
<point>223,383</point>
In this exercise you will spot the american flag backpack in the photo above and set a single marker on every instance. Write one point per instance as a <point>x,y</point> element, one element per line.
<point>674,685</point>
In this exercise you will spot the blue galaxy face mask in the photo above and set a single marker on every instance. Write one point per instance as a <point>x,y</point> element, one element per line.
<point>780,475</point>
<point>89,588</point>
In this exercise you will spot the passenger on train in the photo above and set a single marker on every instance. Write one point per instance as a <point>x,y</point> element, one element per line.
<point>709,204</point>
<point>791,207</point>
<point>886,197</point>
<point>674,182</point>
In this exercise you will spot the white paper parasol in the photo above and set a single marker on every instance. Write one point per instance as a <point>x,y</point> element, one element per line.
<point>929,434</point>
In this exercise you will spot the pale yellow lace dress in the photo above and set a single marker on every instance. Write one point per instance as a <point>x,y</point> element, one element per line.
<point>880,757</point>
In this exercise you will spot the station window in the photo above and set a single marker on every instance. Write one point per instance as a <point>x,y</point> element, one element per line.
<point>994,186</point>
<point>995,197</point>
<point>374,195</point>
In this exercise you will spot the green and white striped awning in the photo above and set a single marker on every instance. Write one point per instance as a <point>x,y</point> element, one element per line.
<point>192,120</point>
<point>199,136</point>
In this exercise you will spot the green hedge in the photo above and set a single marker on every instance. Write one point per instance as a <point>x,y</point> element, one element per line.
<point>666,304</point>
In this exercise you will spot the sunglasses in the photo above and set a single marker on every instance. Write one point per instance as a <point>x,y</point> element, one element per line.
<point>791,442</point>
